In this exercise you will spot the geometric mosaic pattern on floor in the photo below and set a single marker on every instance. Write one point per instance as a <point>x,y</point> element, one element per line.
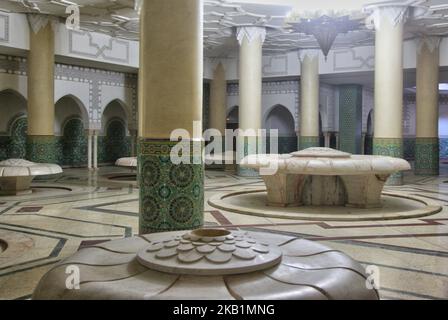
<point>411,254</point>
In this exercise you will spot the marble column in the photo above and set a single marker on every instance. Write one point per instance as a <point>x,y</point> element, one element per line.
<point>309,99</point>
<point>89,149</point>
<point>218,100</point>
<point>95,150</point>
<point>171,71</point>
<point>251,41</point>
<point>388,138</point>
<point>41,142</point>
<point>427,137</point>
<point>327,136</point>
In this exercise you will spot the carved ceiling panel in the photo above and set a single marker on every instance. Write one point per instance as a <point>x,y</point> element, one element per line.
<point>119,18</point>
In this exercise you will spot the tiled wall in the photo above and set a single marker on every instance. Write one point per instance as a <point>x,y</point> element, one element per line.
<point>72,146</point>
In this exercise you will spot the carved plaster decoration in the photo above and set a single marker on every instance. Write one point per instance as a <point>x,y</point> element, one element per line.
<point>251,34</point>
<point>39,21</point>
<point>395,12</point>
<point>120,19</point>
<point>432,43</point>
<point>4,28</point>
<point>308,53</point>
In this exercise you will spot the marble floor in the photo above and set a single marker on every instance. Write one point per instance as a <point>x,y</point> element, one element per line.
<point>80,208</point>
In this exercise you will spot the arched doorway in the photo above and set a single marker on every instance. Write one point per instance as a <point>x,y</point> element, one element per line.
<point>70,119</point>
<point>281,119</point>
<point>114,142</point>
<point>13,125</point>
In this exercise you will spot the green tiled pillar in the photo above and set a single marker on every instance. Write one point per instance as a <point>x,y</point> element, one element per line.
<point>427,156</point>
<point>392,147</point>
<point>42,149</point>
<point>170,104</point>
<point>350,118</point>
<point>171,195</point>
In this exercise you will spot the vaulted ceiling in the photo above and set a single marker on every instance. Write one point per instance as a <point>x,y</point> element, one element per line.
<point>119,18</point>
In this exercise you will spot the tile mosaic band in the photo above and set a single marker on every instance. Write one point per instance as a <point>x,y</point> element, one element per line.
<point>42,149</point>
<point>392,147</point>
<point>427,156</point>
<point>171,195</point>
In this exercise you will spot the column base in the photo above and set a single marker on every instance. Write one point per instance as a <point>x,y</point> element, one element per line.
<point>308,142</point>
<point>247,146</point>
<point>427,156</point>
<point>42,149</point>
<point>171,195</point>
<point>391,147</point>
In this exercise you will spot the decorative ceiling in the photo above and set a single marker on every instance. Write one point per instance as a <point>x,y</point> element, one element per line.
<point>221,17</point>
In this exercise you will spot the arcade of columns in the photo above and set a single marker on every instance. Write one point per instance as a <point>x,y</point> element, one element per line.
<point>171,196</point>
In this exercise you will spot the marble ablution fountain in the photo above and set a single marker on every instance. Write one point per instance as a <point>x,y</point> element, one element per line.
<point>324,176</point>
<point>16,175</point>
<point>324,184</point>
<point>208,264</point>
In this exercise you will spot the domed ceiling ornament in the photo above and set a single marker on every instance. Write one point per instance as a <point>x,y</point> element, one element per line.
<point>325,27</point>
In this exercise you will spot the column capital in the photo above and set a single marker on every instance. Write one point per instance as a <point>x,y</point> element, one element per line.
<point>396,12</point>
<point>219,69</point>
<point>251,34</point>
<point>40,21</point>
<point>431,42</point>
<point>310,53</point>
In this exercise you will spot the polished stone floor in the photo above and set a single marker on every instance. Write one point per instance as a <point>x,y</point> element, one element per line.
<point>81,208</point>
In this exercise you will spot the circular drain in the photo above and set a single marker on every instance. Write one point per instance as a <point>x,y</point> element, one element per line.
<point>395,206</point>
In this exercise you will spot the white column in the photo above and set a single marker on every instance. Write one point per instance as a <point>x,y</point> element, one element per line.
<point>309,98</point>
<point>388,21</point>
<point>251,41</point>
<point>95,150</point>
<point>89,150</point>
<point>327,139</point>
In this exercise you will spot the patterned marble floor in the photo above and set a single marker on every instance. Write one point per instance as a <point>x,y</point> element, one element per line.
<point>53,223</point>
